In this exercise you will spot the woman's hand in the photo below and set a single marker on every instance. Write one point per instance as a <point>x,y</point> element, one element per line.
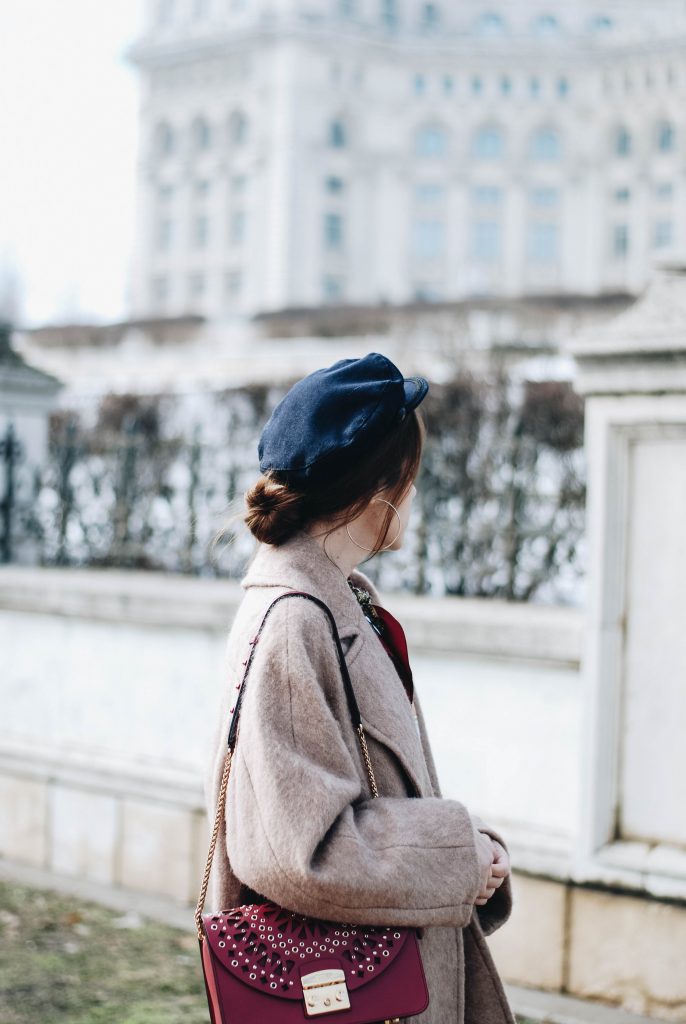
<point>495,864</point>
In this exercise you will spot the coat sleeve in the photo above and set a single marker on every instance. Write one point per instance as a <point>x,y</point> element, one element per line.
<point>495,912</point>
<point>302,827</point>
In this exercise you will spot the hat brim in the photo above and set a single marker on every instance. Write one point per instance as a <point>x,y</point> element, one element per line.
<point>415,390</point>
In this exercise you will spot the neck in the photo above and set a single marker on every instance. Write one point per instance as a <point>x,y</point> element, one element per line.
<point>338,547</point>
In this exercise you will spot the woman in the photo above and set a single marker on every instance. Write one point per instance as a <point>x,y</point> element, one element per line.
<point>338,457</point>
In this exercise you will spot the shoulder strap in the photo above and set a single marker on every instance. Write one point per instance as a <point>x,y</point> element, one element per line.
<point>233,734</point>
<point>349,692</point>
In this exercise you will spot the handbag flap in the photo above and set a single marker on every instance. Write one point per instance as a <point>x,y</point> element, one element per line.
<point>269,947</point>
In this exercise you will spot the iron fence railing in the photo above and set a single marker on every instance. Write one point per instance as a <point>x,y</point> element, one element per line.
<point>499,510</point>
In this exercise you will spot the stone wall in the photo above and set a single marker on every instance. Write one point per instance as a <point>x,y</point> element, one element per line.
<point>111,681</point>
<point>109,692</point>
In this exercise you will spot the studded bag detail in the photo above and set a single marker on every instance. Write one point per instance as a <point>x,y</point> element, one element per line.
<point>266,964</point>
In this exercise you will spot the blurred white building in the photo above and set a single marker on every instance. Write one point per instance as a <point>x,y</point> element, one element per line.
<point>303,152</point>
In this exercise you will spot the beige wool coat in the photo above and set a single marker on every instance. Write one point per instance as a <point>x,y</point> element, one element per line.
<point>302,826</point>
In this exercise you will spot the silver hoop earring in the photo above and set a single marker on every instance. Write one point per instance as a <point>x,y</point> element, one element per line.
<point>386,546</point>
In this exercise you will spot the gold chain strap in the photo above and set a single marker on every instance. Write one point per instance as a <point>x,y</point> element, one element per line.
<point>219,818</point>
<point>367,761</point>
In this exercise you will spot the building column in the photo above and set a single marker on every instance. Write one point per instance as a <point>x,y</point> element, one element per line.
<point>632,815</point>
<point>280,182</point>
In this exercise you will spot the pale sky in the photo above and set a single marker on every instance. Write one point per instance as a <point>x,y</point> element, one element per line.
<point>68,133</point>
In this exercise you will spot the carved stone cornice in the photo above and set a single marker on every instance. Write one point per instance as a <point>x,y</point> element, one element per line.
<point>643,349</point>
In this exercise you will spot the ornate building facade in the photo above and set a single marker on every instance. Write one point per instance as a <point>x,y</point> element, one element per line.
<point>296,153</point>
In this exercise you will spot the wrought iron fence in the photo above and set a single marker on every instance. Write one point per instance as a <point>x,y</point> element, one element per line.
<point>499,511</point>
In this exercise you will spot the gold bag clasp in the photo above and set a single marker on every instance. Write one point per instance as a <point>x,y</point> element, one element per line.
<point>325,991</point>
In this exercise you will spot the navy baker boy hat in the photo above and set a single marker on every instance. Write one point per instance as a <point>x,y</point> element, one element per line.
<point>329,418</point>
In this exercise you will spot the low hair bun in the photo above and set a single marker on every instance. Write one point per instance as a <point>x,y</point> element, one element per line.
<point>274,512</point>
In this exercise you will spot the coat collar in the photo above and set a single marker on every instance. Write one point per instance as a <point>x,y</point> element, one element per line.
<point>301,564</point>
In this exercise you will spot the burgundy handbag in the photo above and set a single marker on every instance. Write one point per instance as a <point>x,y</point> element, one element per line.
<point>265,964</point>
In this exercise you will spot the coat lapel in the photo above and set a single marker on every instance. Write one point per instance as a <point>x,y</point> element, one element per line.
<point>301,564</point>
<point>386,712</point>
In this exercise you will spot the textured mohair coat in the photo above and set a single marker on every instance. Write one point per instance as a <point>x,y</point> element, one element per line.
<point>302,827</point>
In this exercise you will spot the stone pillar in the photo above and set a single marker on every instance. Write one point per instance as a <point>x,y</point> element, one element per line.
<point>632,372</point>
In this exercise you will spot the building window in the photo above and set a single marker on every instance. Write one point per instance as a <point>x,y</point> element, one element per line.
<point>389,14</point>
<point>201,136</point>
<point>563,87</point>
<point>430,17</point>
<point>196,285</point>
<point>545,145</point>
<point>201,230</point>
<point>237,128</point>
<point>337,135</point>
<point>490,24</point>
<point>164,233</point>
<point>237,223</point>
<point>431,141</point>
<point>663,234</point>
<point>477,85</point>
<point>426,291</point>
<point>448,85</point>
<point>543,242</point>
<point>620,241</point>
<point>486,241</point>
<point>165,13</point>
<point>332,288</point>
<point>664,191</point>
<point>535,87</point>
<point>346,9</point>
<point>601,23</point>
<point>334,185</point>
<point>429,192</point>
<point>238,184</point>
<point>666,137</point>
<point>505,85</point>
<point>488,144</point>
<point>544,197</point>
<point>233,283</point>
<point>427,239</point>
<point>546,25</point>
<point>202,188</point>
<point>622,142</point>
<point>163,140</point>
<point>487,195</point>
<point>159,287</point>
<point>419,85</point>
<point>333,231</point>
<point>622,195</point>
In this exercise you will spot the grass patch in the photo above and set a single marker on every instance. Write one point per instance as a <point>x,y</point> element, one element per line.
<point>63,960</point>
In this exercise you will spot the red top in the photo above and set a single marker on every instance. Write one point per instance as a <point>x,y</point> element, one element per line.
<point>392,636</point>
<point>395,643</point>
